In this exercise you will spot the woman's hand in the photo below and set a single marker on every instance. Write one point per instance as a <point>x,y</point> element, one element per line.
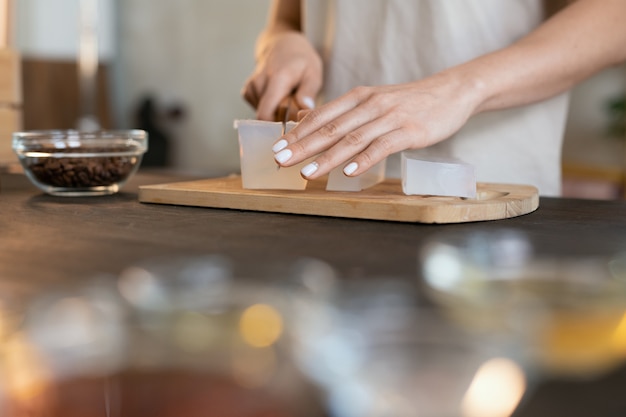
<point>287,64</point>
<point>367,124</point>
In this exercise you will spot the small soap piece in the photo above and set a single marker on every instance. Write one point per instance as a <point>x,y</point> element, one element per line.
<point>258,168</point>
<point>437,176</point>
<point>338,181</point>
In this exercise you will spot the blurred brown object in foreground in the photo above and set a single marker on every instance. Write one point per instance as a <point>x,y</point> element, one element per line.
<point>152,394</point>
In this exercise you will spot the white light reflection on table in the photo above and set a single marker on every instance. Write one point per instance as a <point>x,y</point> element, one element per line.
<point>496,390</point>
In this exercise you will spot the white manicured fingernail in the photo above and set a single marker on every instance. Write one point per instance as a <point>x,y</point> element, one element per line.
<point>309,169</point>
<point>279,146</point>
<point>350,168</point>
<point>309,102</point>
<point>283,156</point>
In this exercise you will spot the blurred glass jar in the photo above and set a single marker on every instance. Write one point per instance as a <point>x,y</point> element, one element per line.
<point>376,352</point>
<point>64,335</point>
<point>562,316</point>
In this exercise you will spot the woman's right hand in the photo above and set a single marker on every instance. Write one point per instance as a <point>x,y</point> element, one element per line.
<point>287,64</point>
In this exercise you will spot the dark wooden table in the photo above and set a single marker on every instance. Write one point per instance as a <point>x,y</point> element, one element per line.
<point>46,240</point>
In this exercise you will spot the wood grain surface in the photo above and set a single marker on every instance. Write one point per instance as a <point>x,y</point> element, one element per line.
<point>385,201</point>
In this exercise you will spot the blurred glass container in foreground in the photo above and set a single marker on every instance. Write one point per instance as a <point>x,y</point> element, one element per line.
<point>168,338</point>
<point>376,353</point>
<point>77,163</point>
<point>564,316</point>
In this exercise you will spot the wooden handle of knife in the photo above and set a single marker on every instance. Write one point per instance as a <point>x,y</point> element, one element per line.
<point>287,110</point>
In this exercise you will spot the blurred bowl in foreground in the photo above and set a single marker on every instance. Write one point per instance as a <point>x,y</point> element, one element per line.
<point>565,316</point>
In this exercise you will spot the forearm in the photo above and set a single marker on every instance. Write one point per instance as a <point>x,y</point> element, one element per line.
<point>584,38</point>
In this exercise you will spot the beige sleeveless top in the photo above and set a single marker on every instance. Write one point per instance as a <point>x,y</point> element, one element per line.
<point>378,42</point>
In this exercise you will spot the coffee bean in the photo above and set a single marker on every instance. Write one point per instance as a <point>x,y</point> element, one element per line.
<point>81,172</point>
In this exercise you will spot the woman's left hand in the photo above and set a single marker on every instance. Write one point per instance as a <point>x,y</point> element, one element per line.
<point>364,126</point>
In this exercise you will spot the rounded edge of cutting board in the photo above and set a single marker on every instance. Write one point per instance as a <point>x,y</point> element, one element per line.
<point>510,200</point>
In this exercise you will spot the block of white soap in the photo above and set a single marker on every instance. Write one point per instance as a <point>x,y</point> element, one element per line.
<point>338,181</point>
<point>259,170</point>
<point>437,176</point>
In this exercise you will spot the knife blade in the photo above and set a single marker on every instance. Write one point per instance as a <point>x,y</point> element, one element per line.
<point>283,116</point>
<point>283,112</point>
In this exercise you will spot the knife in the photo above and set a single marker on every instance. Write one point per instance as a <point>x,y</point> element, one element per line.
<point>283,115</point>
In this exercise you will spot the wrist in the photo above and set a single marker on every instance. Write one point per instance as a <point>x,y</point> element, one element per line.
<point>470,87</point>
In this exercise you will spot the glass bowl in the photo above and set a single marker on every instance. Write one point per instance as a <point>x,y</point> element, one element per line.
<point>77,163</point>
<point>563,316</point>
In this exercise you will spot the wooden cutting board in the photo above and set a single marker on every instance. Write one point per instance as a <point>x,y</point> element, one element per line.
<point>384,201</point>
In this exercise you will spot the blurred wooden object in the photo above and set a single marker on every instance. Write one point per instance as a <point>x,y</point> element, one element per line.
<point>52,97</point>
<point>10,87</point>
<point>6,10</point>
<point>593,182</point>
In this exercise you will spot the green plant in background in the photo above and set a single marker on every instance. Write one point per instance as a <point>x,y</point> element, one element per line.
<point>616,110</point>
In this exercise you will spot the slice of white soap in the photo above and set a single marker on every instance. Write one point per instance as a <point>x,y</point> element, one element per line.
<point>437,176</point>
<point>338,181</point>
<point>258,168</point>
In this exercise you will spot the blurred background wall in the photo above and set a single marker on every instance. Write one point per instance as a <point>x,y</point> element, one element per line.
<point>177,66</point>
<point>191,57</point>
<point>187,58</point>
<point>46,34</point>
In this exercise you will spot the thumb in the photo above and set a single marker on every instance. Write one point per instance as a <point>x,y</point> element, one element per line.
<point>305,102</point>
<point>305,95</point>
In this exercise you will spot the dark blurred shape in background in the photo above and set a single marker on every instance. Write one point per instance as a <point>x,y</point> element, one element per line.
<point>155,119</point>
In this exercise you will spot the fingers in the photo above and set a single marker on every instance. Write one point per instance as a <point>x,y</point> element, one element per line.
<point>320,131</point>
<point>248,92</point>
<point>277,89</point>
<point>266,96</point>
<point>378,150</point>
<point>255,88</point>
<point>358,151</point>
<point>353,132</point>
<point>309,87</point>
